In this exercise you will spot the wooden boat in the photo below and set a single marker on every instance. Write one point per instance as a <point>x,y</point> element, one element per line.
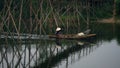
<point>71,36</point>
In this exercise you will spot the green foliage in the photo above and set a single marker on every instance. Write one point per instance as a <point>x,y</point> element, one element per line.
<point>118,1</point>
<point>65,11</point>
<point>118,8</point>
<point>1,4</point>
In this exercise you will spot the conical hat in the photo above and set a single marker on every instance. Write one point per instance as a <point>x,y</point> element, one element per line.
<point>58,29</point>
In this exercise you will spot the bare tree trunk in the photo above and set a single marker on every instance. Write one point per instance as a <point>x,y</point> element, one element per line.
<point>41,13</point>
<point>1,27</point>
<point>30,16</point>
<point>88,13</point>
<point>20,15</point>
<point>114,10</point>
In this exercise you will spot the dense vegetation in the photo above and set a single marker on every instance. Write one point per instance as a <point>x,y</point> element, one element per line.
<point>43,16</point>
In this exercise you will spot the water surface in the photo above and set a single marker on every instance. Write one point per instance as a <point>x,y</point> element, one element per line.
<point>100,52</point>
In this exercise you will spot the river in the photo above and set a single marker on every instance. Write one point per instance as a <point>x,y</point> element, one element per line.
<point>99,52</point>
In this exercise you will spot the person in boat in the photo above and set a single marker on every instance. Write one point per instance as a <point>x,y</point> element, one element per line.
<point>81,34</point>
<point>58,31</point>
<point>84,33</point>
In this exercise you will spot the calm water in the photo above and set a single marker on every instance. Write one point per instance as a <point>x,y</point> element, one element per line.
<point>105,56</point>
<point>100,52</point>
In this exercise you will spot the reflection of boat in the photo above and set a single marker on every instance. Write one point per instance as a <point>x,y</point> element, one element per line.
<point>71,36</point>
<point>81,43</point>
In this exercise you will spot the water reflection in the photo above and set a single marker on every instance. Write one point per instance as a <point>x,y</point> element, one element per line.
<point>73,54</point>
<point>107,32</point>
<point>17,56</point>
<point>54,53</point>
<point>44,54</point>
<point>58,43</point>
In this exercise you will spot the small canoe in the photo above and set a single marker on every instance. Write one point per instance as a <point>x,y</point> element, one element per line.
<point>71,36</point>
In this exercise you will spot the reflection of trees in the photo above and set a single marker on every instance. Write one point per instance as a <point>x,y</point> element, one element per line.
<point>18,55</point>
<point>79,50</point>
<point>43,54</point>
<point>117,33</point>
<point>107,32</point>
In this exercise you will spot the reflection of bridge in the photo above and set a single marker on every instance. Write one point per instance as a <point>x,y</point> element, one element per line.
<point>42,55</point>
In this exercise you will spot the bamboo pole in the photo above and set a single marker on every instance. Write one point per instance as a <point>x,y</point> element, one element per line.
<point>114,11</point>
<point>20,15</point>
<point>53,14</point>
<point>78,19</point>
<point>41,13</point>
<point>13,21</point>
<point>88,13</point>
<point>30,6</point>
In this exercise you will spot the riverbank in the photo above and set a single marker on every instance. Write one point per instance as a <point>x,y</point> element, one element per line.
<point>109,20</point>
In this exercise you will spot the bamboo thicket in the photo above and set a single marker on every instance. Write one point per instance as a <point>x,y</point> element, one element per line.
<point>43,16</point>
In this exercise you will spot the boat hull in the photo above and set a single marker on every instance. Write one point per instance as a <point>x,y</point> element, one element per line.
<point>72,36</point>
